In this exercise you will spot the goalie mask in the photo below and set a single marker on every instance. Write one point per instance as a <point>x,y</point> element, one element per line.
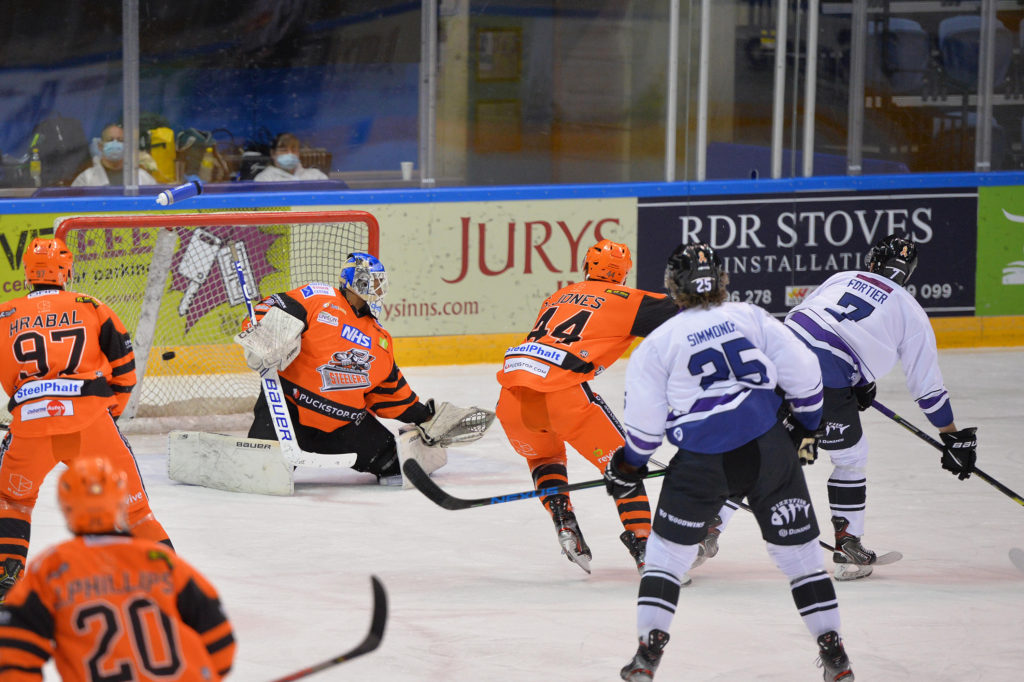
<point>693,270</point>
<point>894,257</point>
<point>607,261</point>
<point>48,261</point>
<point>365,276</point>
<point>93,494</point>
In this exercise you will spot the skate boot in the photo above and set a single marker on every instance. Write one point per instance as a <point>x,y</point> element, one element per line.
<point>10,572</point>
<point>637,548</point>
<point>833,659</point>
<point>569,535</point>
<point>851,558</point>
<point>647,658</point>
<point>708,547</point>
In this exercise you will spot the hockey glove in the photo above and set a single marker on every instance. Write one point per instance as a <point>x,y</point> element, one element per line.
<point>619,483</point>
<point>959,452</point>
<point>451,425</point>
<point>805,441</point>
<point>865,394</point>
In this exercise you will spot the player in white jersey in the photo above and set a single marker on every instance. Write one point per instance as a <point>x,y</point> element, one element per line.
<point>859,324</point>
<point>735,392</point>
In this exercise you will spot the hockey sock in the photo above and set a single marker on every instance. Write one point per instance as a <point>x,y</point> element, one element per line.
<point>15,532</point>
<point>847,496</point>
<point>635,512</point>
<point>725,513</point>
<point>813,592</point>
<point>549,475</point>
<point>666,565</point>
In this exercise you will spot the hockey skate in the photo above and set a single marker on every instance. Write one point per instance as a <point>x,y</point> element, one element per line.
<point>569,535</point>
<point>647,658</point>
<point>833,659</point>
<point>851,558</point>
<point>708,547</point>
<point>637,548</point>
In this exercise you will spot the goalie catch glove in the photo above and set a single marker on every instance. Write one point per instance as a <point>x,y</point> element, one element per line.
<point>959,453</point>
<point>619,483</point>
<point>273,342</point>
<point>450,425</point>
<point>805,440</point>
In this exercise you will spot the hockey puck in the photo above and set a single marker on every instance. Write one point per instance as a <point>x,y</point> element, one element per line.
<point>169,355</point>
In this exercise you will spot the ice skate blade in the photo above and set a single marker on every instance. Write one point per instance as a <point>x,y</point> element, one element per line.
<point>567,539</point>
<point>847,572</point>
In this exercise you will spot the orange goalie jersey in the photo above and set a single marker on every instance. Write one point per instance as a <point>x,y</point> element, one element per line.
<point>112,607</point>
<point>346,364</point>
<point>65,358</point>
<point>581,330</point>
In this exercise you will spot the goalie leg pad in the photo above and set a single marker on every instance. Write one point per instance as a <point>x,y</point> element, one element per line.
<point>411,446</point>
<point>232,463</point>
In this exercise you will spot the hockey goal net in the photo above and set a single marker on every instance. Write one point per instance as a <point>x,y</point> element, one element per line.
<point>172,281</point>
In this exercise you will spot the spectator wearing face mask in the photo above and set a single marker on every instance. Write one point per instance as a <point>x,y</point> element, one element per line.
<point>286,164</point>
<point>108,167</point>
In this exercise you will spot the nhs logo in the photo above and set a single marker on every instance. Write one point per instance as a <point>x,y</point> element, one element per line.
<point>355,336</point>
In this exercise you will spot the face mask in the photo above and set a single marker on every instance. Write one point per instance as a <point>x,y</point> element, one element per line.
<point>288,161</point>
<point>113,150</point>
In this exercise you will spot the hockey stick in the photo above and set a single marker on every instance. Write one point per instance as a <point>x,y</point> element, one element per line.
<point>371,642</point>
<point>938,446</point>
<point>279,415</point>
<point>415,474</point>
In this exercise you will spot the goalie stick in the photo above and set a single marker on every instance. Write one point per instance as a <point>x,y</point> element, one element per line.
<point>369,643</point>
<point>938,446</point>
<point>415,474</point>
<point>279,415</point>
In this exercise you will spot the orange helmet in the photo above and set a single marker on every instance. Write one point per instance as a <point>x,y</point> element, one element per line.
<point>607,261</point>
<point>48,261</point>
<point>93,494</point>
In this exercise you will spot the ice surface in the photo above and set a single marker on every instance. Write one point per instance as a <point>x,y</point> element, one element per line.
<point>484,594</point>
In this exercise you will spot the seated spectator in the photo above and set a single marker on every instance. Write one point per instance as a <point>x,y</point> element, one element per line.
<point>286,164</point>
<point>108,167</point>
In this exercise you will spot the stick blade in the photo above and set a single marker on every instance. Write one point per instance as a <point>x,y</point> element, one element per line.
<point>1017,558</point>
<point>415,474</point>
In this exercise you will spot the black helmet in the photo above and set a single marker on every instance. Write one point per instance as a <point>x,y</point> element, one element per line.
<point>694,270</point>
<point>894,257</point>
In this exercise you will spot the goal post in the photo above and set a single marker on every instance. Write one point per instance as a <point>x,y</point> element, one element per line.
<point>171,280</point>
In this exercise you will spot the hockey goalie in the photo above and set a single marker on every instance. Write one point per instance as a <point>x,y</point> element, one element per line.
<point>336,368</point>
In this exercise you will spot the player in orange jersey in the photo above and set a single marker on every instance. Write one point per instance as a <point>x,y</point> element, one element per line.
<point>545,399</point>
<point>337,367</point>
<point>108,606</point>
<point>68,365</point>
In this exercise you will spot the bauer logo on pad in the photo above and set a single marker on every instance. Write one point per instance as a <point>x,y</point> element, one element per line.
<point>355,336</point>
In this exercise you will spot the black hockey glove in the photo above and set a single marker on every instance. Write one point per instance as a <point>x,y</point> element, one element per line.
<point>805,441</point>
<point>621,484</point>
<point>959,452</point>
<point>865,394</point>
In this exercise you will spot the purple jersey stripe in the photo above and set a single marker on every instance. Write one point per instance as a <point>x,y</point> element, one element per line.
<point>881,285</point>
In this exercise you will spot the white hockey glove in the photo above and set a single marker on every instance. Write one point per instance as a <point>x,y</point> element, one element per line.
<point>273,342</point>
<point>452,425</point>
